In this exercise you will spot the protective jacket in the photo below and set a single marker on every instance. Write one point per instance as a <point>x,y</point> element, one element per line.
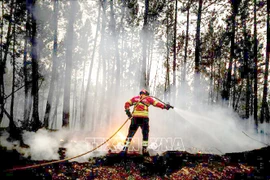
<point>142,104</point>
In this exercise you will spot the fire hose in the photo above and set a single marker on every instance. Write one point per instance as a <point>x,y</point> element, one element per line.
<point>67,159</point>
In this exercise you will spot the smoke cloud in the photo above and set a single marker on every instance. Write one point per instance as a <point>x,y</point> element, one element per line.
<point>206,128</point>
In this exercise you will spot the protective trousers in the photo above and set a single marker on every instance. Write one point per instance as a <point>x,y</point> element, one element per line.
<point>137,122</point>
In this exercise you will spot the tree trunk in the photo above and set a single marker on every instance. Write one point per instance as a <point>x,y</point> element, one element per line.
<point>265,108</point>
<point>2,69</point>
<point>75,99</point>
<point>3,62</point>
<point>174,44</point>
<point>68,71</point>
<point>11,120</point>
<point>150,58</point>
<point>93,107</point>
<point>246,60</point>
<point>36,122</point>
<point>27,87</point>
<point>234,85</point>
<point>186,45</point>
<point>60,84</point>
<point>227,88</point>
<point>255,111</point>
<point>54,67</point>
<point>86,98</point>
<point>167,77</point>
<point>117,56</point>
<point>212,64</point>
<point>198,39</point>
<point>145,42</point>
<point>238,97</point>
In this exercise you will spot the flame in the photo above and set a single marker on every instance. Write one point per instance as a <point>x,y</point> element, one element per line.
<point>121,136</point>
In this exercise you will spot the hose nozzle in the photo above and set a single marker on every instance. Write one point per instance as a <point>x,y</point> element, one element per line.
<point>168,104</point>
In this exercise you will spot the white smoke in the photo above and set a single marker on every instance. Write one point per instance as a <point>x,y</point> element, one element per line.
<point>45,145</point>
<point>206,128</point>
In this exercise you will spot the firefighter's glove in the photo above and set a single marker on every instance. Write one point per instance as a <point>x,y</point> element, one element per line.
<point>128,113</point>
<point>167,106</point>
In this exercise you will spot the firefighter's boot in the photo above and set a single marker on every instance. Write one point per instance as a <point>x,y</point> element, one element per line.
<point>125,148</point>
<point>144,151</point>
<point>123,153</point>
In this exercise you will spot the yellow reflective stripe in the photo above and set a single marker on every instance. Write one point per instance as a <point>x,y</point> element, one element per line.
<point>145,143</point>
<point>140,113</point>
<point>128,142</point>
<point>155,103</point>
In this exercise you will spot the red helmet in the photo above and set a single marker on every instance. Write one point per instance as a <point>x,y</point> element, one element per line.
<point>144,91</point>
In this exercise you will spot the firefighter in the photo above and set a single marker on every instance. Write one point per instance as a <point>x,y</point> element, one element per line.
<point>139,118</point>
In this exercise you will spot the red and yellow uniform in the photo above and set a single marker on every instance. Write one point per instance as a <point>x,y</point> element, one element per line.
<point>140,117</point>
<point>141,105</point>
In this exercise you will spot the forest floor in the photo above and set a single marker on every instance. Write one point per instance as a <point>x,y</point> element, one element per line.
<point>253,164</point>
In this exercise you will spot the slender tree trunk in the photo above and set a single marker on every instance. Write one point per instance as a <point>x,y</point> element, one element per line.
<point>265,108</point>
<point>246,61</point>
<point>198,38</point>
<point>27,87</point>
<point>212,84</point>
<point>227,88</point>
<point>75,99</point>
<point>174,44</point>
<point>167,77</point>
<point>255,115</point>
<point>115,88</point>
<point>3,62</point>
<point>37,123</point>
<point>117,56</point>
<point>198,50</point>
<point>104,85</point>
<point>60,84</point>
<point>82,97</point>
<point>94,107</point>
<point>238,97</point>
<point>186,45</point>
<point>234,86</point>
<point>86,99</point>
<point>68,71</point>
<point>211,53</point>
<point>145,43</point>
<point>11,120</point>
<point>2,68</point>
<point>218,81</point>
<point>122,51</point>
<point>54,67</point>
<point>35,116</point>
<point>150,57</point>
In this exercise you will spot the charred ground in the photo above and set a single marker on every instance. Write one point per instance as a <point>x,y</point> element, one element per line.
<point>253,164</point>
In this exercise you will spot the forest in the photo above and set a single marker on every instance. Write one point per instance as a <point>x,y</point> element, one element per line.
<point>72,64</point>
